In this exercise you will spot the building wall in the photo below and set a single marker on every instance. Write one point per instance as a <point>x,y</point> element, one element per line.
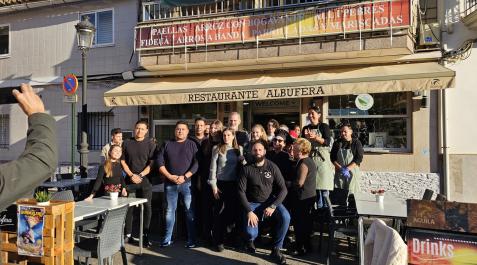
<point>461,107</point>
<point>43,42</point>
<point>43,49</point>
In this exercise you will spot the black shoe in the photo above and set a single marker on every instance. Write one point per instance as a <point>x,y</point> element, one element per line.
<point>250,247</point>
<point>145,241</point>
<point>128,239</point>
<point>299,252</point>
<point>278,256</point>
<point>220,247</point>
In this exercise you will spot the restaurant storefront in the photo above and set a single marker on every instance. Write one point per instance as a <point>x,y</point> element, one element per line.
<point>189,72</point>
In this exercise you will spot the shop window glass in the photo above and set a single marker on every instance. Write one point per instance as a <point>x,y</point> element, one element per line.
<point>185,111</point>
<point>384,127</point>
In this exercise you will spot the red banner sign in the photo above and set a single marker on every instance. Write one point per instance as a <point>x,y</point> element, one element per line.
<point>321,21</point>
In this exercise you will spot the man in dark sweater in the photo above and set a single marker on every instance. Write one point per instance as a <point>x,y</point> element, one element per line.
<point>138,155</point>
<point>177,162</point>
<point>261,192</point>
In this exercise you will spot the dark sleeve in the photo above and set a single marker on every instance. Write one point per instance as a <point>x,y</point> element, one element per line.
<point>195,164</point>
<point>152,150</point>
<point>36,164</point>
<point>124,147</point>
<point>358,152</point>
<point>279,184</point>
<point>334,151</point>
<point>160,156</point>
<point>242,188</point>
<point>325,133</point>
<point>99,180</point>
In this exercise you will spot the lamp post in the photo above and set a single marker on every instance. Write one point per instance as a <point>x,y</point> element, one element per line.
<point>85,35</point>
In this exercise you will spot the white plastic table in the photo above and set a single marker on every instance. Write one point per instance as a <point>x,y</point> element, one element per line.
<point>105,203</point>
<point>366,205</point>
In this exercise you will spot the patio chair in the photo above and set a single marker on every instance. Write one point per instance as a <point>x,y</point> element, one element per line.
<point>64,195</point>
<point>428,195</point>
<point>105,243</point>
<point>340,222</point>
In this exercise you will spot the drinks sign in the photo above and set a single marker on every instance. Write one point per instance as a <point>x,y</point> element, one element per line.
<point>343,19</point>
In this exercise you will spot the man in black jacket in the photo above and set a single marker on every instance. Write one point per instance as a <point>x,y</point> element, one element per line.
<point>262,190</point>
<point>38,161</point>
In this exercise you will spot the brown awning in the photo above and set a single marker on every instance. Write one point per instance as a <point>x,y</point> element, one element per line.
<point>284,84</point>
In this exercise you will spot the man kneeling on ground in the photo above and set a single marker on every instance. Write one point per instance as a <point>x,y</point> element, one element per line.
<point>262,190</point>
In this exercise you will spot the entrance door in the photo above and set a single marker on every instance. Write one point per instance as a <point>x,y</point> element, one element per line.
<point>288,118</point>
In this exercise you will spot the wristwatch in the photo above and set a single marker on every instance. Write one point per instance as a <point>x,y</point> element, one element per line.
<point>273,206</point>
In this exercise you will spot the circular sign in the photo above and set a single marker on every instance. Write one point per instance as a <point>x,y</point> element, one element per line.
<point>70,84</point>
<point>364,101</point>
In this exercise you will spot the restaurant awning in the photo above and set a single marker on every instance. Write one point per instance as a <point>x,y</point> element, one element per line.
<point>284,84</point>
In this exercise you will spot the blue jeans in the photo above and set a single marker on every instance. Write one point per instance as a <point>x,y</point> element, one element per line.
<point>280,214</point>
<point>320,198</point>
<point>172,194</point>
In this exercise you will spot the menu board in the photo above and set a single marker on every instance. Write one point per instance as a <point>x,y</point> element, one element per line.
<point>440,215</point>
<point>30,230</point>
<point>439,248</point>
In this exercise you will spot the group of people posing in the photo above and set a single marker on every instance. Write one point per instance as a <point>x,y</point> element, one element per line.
<point>234,181</point>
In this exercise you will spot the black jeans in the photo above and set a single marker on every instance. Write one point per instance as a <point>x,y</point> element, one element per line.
<point>142,190</point>
<point>225,209</point>
<point>303,221</point>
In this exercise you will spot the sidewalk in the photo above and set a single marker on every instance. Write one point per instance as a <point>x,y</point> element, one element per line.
<point>177,254</point>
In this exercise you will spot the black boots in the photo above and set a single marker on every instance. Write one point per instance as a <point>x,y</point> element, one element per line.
<point>278,256</point>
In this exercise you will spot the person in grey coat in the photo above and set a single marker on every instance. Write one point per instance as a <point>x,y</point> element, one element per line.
<point>40,158</point>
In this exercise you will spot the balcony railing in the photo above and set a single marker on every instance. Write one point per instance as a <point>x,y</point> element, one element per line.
<point>469,7</point>
<point>154,10</point>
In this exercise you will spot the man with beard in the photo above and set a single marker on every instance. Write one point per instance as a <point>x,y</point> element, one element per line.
<point>261,192</point>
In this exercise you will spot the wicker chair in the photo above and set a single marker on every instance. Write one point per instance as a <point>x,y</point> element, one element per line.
<point>105,243</point>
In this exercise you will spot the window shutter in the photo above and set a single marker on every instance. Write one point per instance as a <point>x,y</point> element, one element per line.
<point>104,27</point>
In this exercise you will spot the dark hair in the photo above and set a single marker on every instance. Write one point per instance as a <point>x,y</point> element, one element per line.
<point>183,123</point>
<point>345,123</point>
<point>274,122</point>
<point>199,119</point>
<point>262,142</point>
<point>142,121</point>
<point>116,131</point>
<point>315,109</point>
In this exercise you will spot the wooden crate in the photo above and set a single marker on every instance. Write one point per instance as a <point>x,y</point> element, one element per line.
<point>58,232</point>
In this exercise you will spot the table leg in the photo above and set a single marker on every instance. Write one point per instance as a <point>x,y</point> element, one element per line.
<point>141,228</point>
<point>361,240</point>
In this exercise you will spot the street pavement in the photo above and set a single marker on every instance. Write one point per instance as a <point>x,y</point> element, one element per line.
<point>178,254</point>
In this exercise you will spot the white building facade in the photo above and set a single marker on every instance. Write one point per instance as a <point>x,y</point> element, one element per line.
<point>38,45</point>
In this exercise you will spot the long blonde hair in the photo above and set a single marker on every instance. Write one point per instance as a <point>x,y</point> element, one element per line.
<point>223,145</point>
<point>264,133</point>
<point>108,164</point>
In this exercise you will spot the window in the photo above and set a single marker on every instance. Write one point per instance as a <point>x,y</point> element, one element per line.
<point>4,131</point>
<point>384,127</point>
<point>4,40</point>
<point>104,23</point>
<point>99,129</point>
<point>185,111</point>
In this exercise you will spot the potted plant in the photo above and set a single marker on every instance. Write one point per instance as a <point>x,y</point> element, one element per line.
<point>42,198</point>
<point>379,193</point>
<point>113,190</point>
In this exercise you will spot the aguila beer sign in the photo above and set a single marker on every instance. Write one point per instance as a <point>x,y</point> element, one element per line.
<point>362,17</point>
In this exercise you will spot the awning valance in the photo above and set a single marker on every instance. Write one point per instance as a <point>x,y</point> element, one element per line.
<point>284,84</point>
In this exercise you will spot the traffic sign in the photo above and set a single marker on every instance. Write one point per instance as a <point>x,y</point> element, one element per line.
<point>70,84</point>
<point>70,99</point>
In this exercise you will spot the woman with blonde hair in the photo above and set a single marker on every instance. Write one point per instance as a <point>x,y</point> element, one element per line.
<point>226,159</point>
<point>110,173</point>
<point>303,195</point>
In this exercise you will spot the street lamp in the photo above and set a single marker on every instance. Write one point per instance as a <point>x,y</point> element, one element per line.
<point>85,35</point>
